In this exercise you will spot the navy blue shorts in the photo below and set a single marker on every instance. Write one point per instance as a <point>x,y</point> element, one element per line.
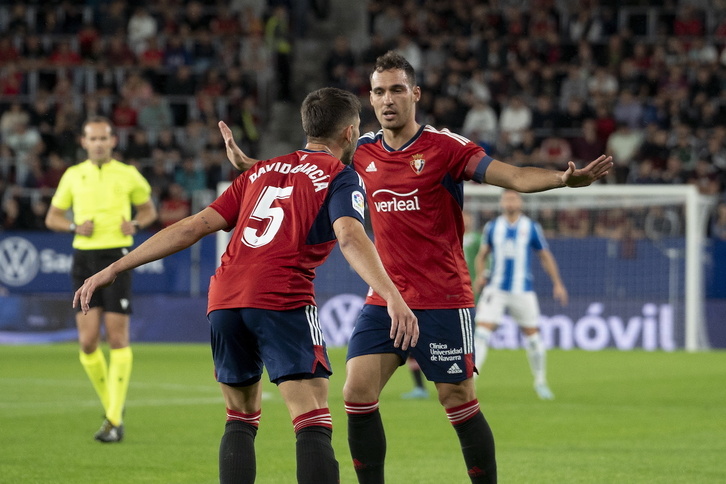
<point>288,343</point>
<point>445,348</point>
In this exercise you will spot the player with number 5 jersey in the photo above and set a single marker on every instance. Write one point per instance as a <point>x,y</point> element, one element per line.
<point>278,247</point>
<point>287,214</point>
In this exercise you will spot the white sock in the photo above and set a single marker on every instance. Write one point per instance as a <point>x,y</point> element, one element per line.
<point>482,336</point>
<point>537,356</point>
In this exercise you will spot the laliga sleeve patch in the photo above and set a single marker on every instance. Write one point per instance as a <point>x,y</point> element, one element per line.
<point>358,203</point>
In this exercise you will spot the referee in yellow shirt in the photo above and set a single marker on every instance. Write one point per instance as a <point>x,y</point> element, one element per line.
<point>101,192</point>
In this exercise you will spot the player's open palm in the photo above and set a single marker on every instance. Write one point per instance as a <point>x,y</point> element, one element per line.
<point>234,154</point>
<point>582,177</point>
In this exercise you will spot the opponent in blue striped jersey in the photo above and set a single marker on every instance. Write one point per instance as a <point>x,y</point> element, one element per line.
<point>508,243</point>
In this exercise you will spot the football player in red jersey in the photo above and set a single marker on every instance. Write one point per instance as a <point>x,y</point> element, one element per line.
<point>287,213</point>
<point>414,178</point>
<point>413,175</point>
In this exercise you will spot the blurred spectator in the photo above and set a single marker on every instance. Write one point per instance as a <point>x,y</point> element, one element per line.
<point>585,25</point>
<point>142,27</point>
<point>610,223</point>
<point>628,110</point>
<point>688,22</point>
<point>644,173</point>
<point>64,56</point>
<point>717,227</point>
<point>339,62</point>
<point>190,175</point>
<point>180,84</point>
<point>388,24</point>
<point>21,211</point>
<point>124,115</point>
<point>480,124</point>
<point>166,141</point>
<point>277,38</point>
<point>623,145</point>
<point>433,57</point>
<point>112,18</point>
<point>89,39</point>
<point>195,18</point>
<point>655,147</point>
<point>410,50</point>
<point>245,118</point>
<point>674,172</point>
<point>176,54</point>
<point>52,175</point>
<point>11,117</point>
<point>477,87</point>
<point>573,222</point>
<point>118,53</point>
<point>256,63</point>
<point>136,90</point>
<point>574,86</point>
<point>546,118</point>
<point>554,152</point>
<point>17,23</point>
<point>203,51</point>
<point>155,115</point>
<point>515,118</point>
<point>174,205</point>
<point>138,146</point>
<point>602,85</point>
<point>25,141</point>
<point>587,146</point>
<point>8,52</point>
<point>226,25</point>
<point>705,177</point>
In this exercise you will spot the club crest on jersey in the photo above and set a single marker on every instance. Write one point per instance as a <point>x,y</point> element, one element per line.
<point>417,164</point>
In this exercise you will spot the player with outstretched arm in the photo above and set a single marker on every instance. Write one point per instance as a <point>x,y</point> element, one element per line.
<point>414,178</point>
<point>287,213</point>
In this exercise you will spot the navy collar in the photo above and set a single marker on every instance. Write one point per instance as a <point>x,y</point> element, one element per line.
<point>405,145</point>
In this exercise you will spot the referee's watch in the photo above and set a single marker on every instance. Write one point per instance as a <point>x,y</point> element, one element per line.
<point>72,228</point>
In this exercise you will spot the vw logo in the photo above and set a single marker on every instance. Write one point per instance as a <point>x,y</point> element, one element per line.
<point>338,316</point>
<point>19,262</point>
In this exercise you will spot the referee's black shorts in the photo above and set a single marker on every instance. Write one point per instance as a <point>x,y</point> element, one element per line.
<point>115,298</point>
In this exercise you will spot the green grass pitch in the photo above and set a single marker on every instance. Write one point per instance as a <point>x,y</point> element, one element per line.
<point>619,417</point>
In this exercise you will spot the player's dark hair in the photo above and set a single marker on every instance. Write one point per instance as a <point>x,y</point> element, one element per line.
<point>392,60</point>
<point>97,119</point>
<point>325,111</point>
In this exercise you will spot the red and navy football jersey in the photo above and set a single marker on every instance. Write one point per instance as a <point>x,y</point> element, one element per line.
<point>415,196</point>
<point>282,211</point>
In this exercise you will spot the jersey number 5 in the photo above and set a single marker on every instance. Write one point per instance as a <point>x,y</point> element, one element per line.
<point>265,211</point>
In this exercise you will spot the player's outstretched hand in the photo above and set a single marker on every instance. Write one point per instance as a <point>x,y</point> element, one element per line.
<point>234,154</point>
<point>404,325</point>
<point>84,293</point>
<point>574,177</point>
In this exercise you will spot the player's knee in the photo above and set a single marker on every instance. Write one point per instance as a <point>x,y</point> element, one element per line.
<point>358,392</point>
<point>454,395</point>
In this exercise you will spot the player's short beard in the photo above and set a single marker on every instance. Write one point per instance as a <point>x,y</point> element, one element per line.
<point>347,156</point>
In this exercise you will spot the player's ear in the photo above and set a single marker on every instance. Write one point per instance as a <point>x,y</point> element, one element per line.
<point>348,133</point>
<point>416,93</point>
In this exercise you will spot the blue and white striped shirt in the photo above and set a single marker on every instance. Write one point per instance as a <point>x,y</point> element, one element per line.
<point>511,257</point>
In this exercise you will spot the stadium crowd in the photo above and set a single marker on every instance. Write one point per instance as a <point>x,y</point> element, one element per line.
<point>536,82</point>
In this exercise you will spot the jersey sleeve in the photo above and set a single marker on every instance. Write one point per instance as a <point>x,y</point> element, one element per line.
<point>141,191</point>
<point>63,198</point>
<point>346,196</point>
<point>469,160</point>
<point>229,202</point>
<point>538,241</point>
<point>486,234</point>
